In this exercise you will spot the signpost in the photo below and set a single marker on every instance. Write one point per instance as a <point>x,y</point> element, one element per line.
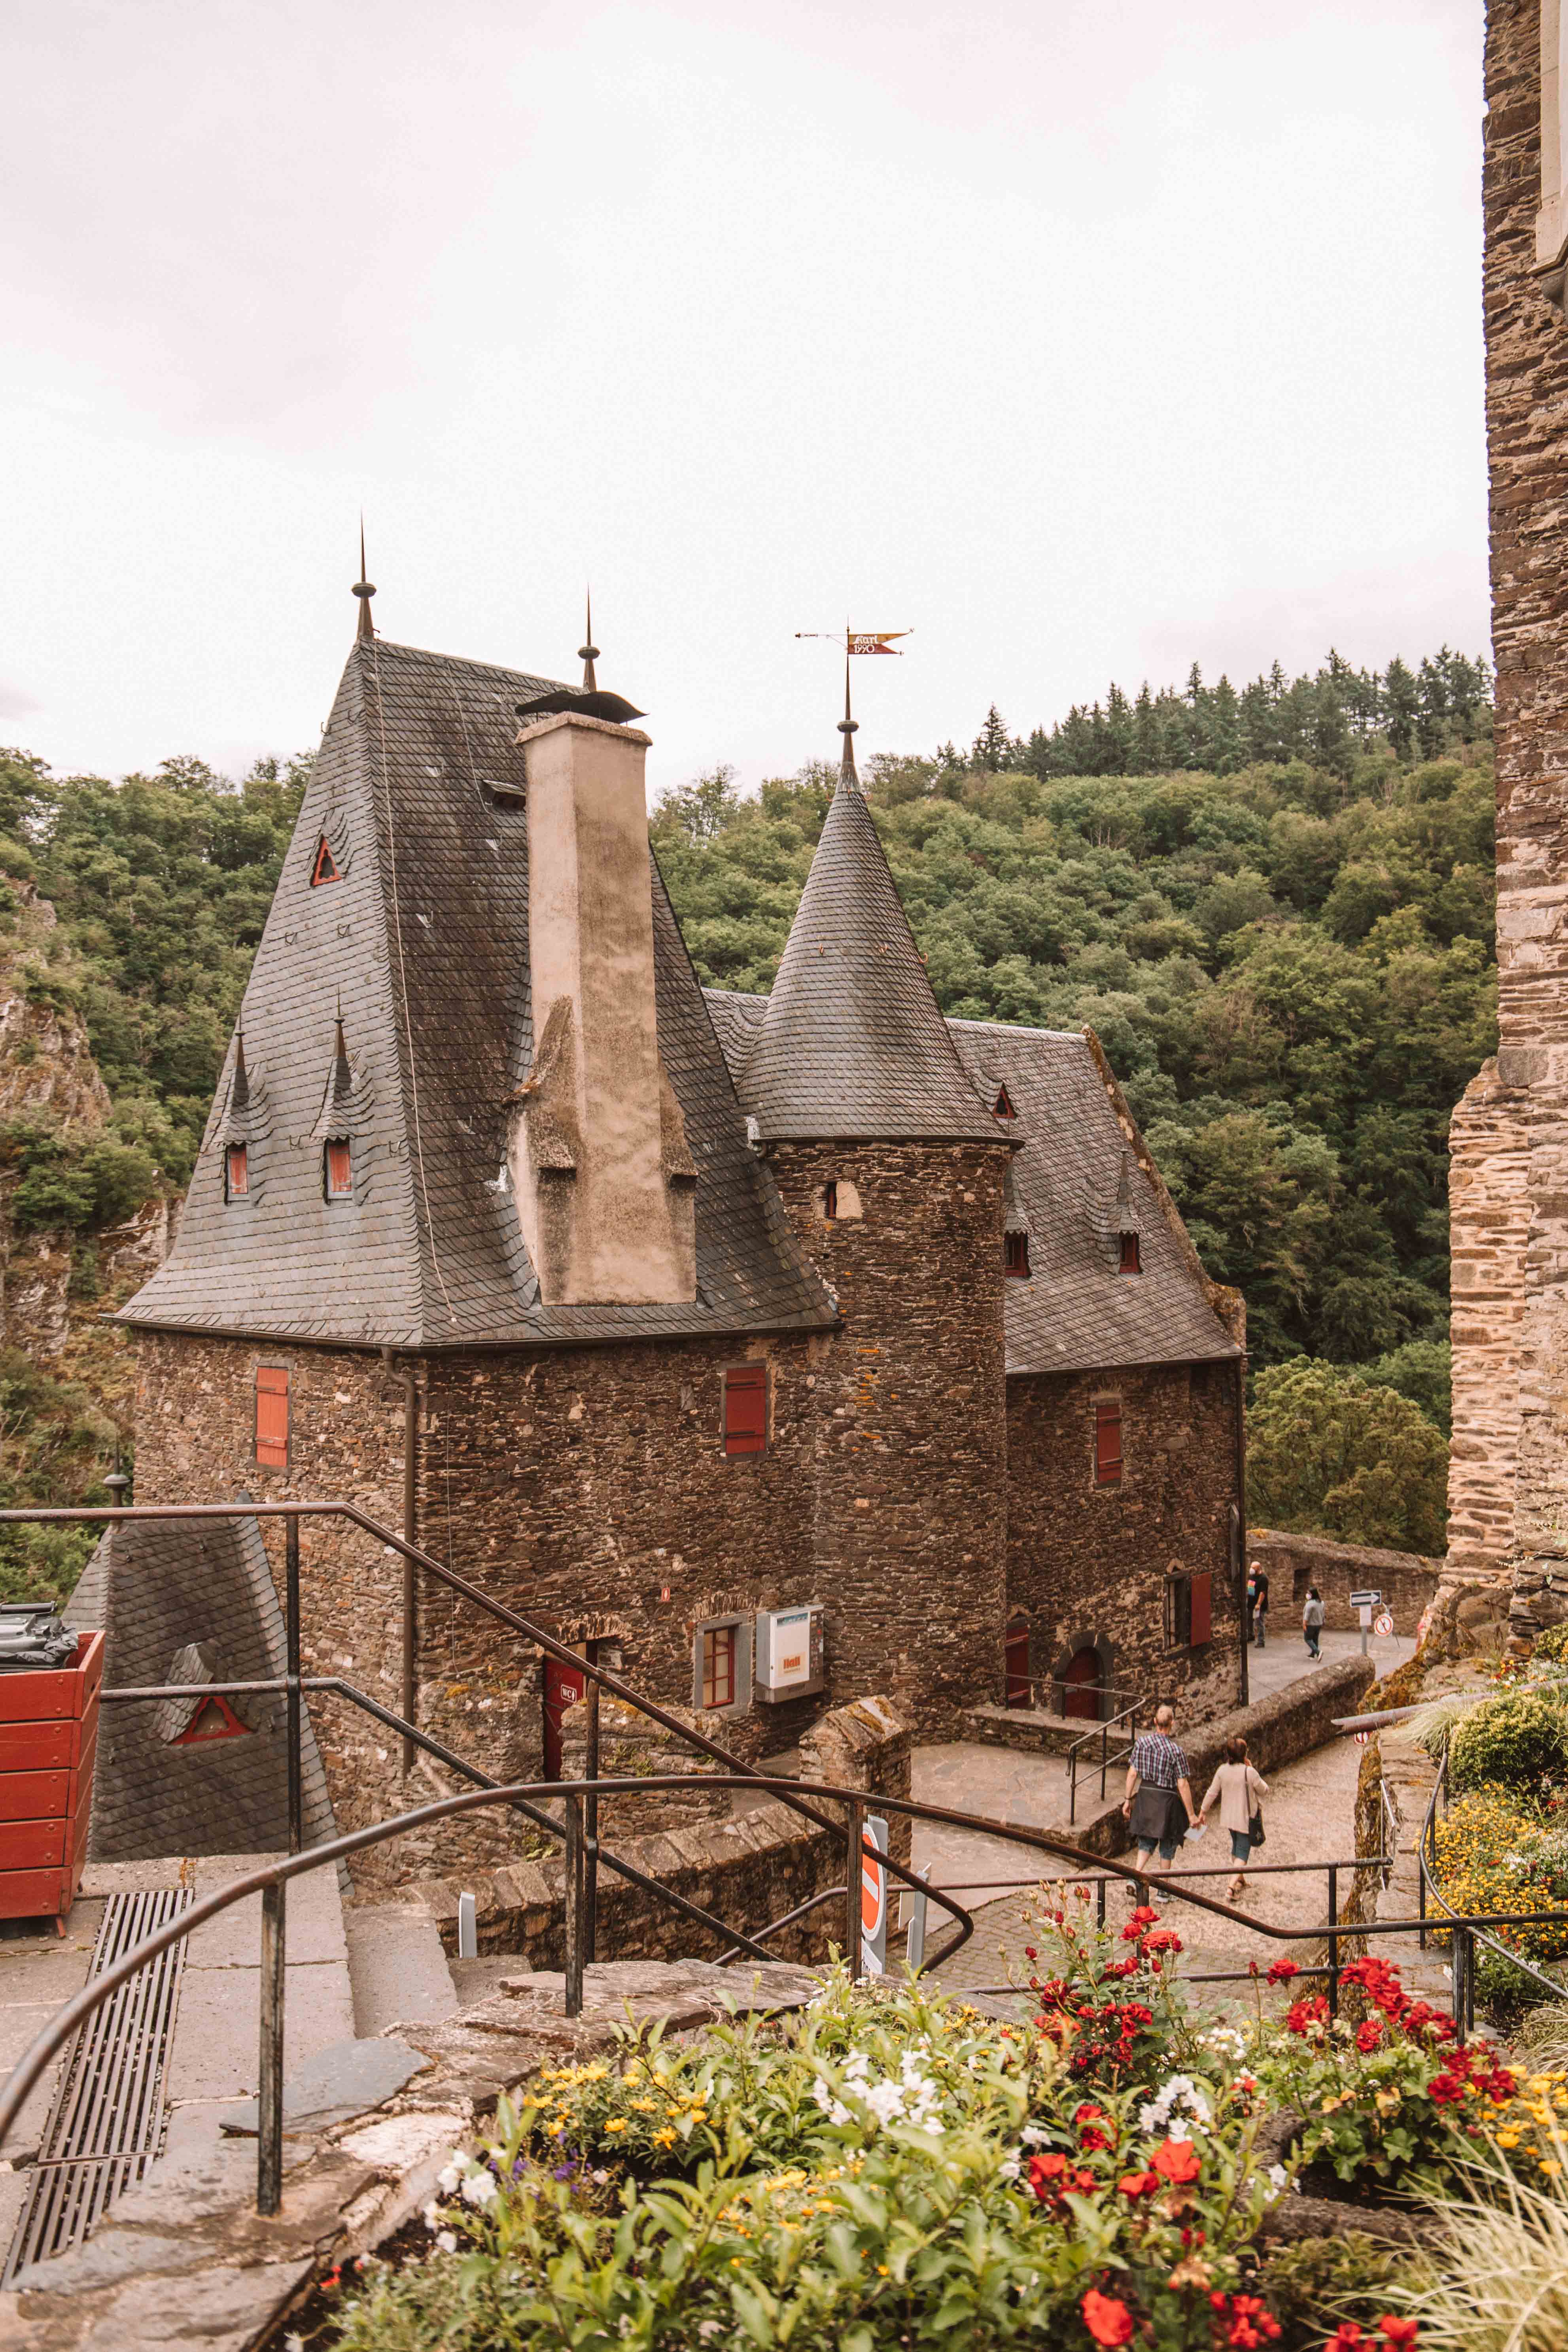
<point>1363,1603</point>
<point>915,1942</point>
<point>874,1898</point>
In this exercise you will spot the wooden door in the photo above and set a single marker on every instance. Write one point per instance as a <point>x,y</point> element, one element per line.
<point>1017,1664</point>
<point>1082,1675</point>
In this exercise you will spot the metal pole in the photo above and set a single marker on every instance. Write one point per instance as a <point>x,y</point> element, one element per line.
<point>1238,1526</point>
<point>573,1906</point>
<point>1100,1901</point>
<point>853,1839</point>
<point>410,1574</point>
<point>270,2075</point>
<point>1461,1940</point>
<point>1334,1942</point>
<point>591,1823</point>
<point>291,1620</point>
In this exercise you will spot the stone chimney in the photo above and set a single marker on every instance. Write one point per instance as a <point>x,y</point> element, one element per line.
<point>604,1181</point>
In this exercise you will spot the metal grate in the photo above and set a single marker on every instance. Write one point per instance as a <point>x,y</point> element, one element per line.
<point>108,2113</point>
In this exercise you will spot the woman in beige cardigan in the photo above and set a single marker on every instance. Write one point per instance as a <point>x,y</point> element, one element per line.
<point>1236,1789</point>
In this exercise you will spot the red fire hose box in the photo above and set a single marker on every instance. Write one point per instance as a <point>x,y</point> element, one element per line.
<point>48,1741</point>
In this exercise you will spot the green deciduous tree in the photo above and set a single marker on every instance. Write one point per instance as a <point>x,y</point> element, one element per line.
<point>1332,1453</point>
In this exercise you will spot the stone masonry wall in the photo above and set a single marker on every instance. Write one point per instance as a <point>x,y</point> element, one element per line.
<point>1293,1563</point>
<point>1527,394</point>
<point>1089,1563</point>
<point>577,1488</point>
<point>1488,1213</point>
<point>911,1464</point>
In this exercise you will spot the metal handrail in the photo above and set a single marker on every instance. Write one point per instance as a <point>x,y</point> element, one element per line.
<point>1102,1731</point>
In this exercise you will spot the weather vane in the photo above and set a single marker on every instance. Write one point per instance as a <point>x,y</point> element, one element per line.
<point>860,641</point>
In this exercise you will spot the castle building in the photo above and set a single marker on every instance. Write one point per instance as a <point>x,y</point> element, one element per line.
<point>1507,1485</point>
<point>803,1347</point>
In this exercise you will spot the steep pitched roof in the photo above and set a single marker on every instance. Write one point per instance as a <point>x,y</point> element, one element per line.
<point>419,792</point>
<point>852,1043</point>
<point>160,1588</point>
<point>1077,1149</point>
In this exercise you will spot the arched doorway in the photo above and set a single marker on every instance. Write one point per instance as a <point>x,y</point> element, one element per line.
<point>1081,1698</point>
<point>1019,1692</point>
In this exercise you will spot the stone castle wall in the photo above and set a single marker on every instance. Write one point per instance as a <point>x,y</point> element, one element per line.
<point>1527,393</point>
<point>1089,1563</point>
<point>910,1494</point>
<point>1488,1197</point>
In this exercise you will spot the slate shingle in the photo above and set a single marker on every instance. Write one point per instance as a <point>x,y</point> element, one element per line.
<point>420,790</point>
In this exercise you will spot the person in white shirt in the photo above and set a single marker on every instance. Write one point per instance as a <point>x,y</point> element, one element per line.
<point>1238,1789</point>
<point>1312,1621</point>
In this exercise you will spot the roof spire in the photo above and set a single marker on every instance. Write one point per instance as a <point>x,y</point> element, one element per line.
<point>588,653</point>
<point>363,589</point>
<point>239,1092</point>
<point>848,727</point>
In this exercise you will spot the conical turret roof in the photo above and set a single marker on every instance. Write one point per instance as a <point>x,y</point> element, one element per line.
<point>853,1043</point>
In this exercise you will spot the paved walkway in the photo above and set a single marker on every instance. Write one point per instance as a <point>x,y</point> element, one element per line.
<point>1285,1660</point>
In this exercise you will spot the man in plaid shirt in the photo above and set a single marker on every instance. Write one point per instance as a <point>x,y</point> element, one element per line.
<point>1158,1775</point>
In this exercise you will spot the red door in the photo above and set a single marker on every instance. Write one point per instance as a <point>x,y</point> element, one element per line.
<point>564,1687</point>
<point>1082,1699</point>
<point>1017,1662</point>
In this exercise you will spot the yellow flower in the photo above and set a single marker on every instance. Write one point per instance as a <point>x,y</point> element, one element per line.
<point>664,2138</point>
<point>882,2269</point>
<point>644,2106</point>
<point>616,2123</point>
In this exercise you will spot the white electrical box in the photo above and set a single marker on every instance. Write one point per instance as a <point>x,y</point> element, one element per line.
<point>789,1661</point>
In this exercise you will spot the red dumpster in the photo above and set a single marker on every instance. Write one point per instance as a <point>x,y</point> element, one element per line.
<point>48,1741</point>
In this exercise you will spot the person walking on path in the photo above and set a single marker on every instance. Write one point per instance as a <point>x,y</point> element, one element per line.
<point>1312,1621</point>
<point>1258,1601</point>
<point>1238,1789</point>
<point>1158,1806</point>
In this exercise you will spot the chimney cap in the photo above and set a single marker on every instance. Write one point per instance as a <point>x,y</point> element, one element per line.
<point>586,704</point>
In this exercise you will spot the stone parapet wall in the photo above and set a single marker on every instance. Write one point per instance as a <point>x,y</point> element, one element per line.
<point>866,1744</point>
<point>1293,1562</point>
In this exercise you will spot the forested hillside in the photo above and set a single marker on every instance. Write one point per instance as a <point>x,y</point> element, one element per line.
<point>1274,905</point>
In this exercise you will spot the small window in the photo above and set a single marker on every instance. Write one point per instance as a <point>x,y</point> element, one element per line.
<point>1003,1106</point>
<point>746,1409</point>
<point>830,1200</point>
<point>272,1416</point>
<point>1189,1610</point>
<point>235,1172</point>
<point>325,868</point>
<point>214,1719</point>
<point>1132,1262</point>
<point>1016,1247</point>
<point>719,1666</point>
<point>340,1170</point>
<point>1108,1441</point>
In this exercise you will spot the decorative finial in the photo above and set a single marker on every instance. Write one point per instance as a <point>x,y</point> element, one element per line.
<point>363,589</point>
<point>239,1092</point>
<point>589,653</point>
<point>848,727</point>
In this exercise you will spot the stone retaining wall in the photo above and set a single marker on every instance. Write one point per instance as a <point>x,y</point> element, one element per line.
<point>1406,1579</point>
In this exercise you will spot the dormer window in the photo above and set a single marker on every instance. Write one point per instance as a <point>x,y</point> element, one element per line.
<point>235,1172</point>
<point>339,1177</point>
<point>1003,1106</point>
<point>1016,1248</point>
<point>1131,1260</point>
<point>325,868</point>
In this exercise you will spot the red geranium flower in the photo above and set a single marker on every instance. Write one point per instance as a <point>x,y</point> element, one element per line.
<point>1161,1939</point>
<point>1282,1971</point>
<point>1139,2184</point>
<point>1400,2333</point>
<point>1445,2089</point>
<point>1178,2159</point>
<point>1107,2320</point>
<point>1346,2337</point>
<point>1369,2035</point>
<point>1302,2015</point>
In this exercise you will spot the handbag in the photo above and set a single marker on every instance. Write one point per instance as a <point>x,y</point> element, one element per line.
<point>1255,1827</point>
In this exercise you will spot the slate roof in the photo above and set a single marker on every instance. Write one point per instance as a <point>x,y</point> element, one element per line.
<point>852,1042</point>
<point>419,791</point>
<point>1076,1312</point>
<point>159,1589</point>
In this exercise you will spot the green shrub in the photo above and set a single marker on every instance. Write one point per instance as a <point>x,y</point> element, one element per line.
<point>1518,1740</point>
<point>1552,1643</point>
<point>1315,2284</point>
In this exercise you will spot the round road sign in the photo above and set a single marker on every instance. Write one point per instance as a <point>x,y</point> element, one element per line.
<point>1383,1626</point>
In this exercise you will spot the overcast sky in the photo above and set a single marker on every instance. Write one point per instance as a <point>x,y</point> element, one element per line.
<point>1081,337</point>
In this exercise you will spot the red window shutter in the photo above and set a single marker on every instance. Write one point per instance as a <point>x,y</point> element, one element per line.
<point>340,1171</point>
<point>746,1409</point>
<point>325,868</point>
<point>1202,1610</point>
<point>272,1416</point>
<point>1108,1444</point>
<point>237,1174</point>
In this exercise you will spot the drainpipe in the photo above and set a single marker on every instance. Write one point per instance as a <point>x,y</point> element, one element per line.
<point>1239,1508</point>
<point>410,1574</point>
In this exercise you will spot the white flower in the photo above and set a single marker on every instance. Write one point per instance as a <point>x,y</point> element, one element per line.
<point>600,2176</point>
<point>708,2328</point>
<point>1032,2135</point>
<point>1009,2168</point>
<point>479,2188</point>
<point>834,2109</point>
<point>447,2241</point>
<point>434,2215</point>
<point>447,2180</point>
<point>1278,2180</point>
<point>293,2344</point>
